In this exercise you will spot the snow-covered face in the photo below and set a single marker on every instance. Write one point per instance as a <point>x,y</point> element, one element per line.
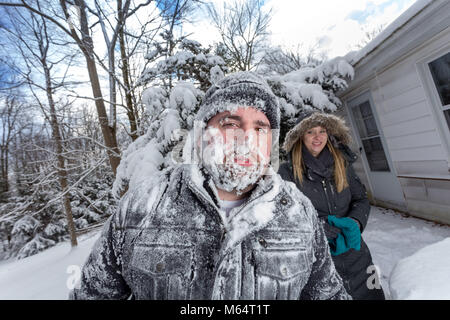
<point>237,148</point>
<point>315,139</point>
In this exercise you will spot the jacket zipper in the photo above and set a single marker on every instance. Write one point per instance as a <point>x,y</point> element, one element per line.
<point>326,195</point>
<point>222,236</point>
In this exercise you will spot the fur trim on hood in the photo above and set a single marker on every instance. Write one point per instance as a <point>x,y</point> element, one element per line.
<point>335,126</point>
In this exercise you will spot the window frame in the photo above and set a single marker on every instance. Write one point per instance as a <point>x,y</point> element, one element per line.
<point>433,97</point>
<point>447,106</point>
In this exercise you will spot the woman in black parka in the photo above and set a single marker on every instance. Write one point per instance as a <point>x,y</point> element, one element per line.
<point>320,164</point>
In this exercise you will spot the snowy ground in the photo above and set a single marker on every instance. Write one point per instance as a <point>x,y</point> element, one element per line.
<point>392,237</point>
<point>44,276</point>
<point>429,268</point>
<point>389,236</point>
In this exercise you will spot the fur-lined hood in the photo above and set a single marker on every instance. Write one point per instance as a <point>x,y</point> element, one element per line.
<point>335,126</point>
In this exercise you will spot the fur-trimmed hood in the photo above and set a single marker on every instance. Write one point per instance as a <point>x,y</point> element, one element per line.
<point>335,126</point>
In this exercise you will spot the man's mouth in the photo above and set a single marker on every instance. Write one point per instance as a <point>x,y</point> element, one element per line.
<point>246,162</point>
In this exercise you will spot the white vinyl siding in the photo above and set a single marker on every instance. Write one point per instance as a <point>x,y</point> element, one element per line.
<point>406,116</point>
<point>412,128</point>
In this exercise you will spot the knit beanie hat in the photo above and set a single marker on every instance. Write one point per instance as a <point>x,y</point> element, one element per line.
<point>337,130</point>
<point>237,90</point>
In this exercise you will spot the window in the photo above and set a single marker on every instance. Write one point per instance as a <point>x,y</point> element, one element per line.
<point>440,72</point>
<point>370,137</point>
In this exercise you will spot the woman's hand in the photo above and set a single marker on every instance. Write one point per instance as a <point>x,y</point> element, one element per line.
<point>359,224</point>
<point>350,231</point>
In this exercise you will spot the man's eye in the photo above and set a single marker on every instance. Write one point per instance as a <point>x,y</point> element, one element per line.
<point>262,130</point>
<point>230,125</point>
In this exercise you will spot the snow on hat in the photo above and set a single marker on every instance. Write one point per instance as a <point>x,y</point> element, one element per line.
<point>237,90</point>
<point>336,129</point>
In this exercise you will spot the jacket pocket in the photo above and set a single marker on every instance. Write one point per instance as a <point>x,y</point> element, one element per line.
<point>162,271</point>
<point>281,273</point>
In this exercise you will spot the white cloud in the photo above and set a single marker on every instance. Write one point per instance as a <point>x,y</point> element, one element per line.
<point>202,31</point>
<point>308,22</point>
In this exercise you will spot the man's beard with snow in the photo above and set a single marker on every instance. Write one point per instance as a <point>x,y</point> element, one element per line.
<point>232,167</point>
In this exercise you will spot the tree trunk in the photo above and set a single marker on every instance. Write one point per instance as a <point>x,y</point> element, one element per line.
<point>6,131</point>
<point>62,172</point>
<point>109,133</point>
<point>112,90</point>
<point>125,74</point>
<point>4,169</point>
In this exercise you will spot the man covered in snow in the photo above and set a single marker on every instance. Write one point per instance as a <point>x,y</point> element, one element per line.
<point>225,227</point>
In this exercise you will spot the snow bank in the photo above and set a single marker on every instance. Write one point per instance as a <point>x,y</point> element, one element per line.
<point>45,276</point>
<point>424,275</point>
<point>392,237</point>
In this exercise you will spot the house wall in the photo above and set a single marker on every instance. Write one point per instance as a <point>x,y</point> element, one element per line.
<point>416,140</point>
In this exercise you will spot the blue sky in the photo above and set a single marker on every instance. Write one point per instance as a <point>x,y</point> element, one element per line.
<point>7,76</point>
<point>372,8</point>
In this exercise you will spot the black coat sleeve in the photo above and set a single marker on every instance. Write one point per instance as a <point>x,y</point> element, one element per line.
<point>359,206</point>
<point>101,276</point>
<point>324,282</point>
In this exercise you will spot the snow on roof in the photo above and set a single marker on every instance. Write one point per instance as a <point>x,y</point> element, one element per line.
<point>355,56</point>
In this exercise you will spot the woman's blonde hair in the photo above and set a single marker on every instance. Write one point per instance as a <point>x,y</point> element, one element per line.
<point>340,176</point>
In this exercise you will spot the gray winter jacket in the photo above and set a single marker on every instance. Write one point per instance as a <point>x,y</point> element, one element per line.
<point>168,241</point>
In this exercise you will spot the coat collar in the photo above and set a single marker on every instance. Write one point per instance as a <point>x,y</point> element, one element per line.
<point>255,214</point>
<point>321,165</point>
<point>348,154</point>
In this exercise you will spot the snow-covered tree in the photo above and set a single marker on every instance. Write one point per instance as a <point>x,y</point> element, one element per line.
<point>175,86</point>
<point>71,18</point>
<point>280,60</point>
<point>33,221</point>
<point>309,88</point>
<point>151,152</point>
<point>11,111</point>
<point>189,61</point>
<point>30,35</point>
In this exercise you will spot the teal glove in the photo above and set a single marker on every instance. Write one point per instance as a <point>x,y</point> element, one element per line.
<point>337,245</point>
<point>350,231</point>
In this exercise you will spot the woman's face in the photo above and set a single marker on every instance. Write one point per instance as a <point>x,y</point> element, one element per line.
<point>315,139</point>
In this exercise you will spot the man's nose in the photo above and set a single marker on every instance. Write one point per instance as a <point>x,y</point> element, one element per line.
<point>249,134</point>
<point>241,135</point>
